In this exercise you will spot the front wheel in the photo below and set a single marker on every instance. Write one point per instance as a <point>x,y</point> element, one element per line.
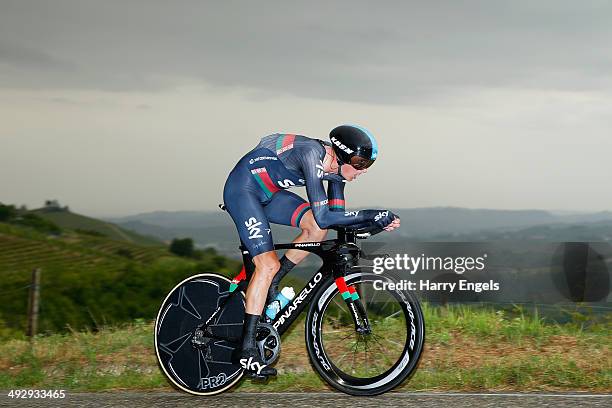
<point>366,363</point>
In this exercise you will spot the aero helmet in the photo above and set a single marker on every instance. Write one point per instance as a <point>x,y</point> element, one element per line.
<point>354,145</point>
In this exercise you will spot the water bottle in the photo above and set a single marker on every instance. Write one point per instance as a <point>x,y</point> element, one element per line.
<point>285,296</point>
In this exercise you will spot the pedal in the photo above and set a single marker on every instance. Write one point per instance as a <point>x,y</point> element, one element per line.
<point>259,377</point>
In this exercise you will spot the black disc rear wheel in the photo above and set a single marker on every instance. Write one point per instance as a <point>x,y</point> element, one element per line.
<point>200,364</point>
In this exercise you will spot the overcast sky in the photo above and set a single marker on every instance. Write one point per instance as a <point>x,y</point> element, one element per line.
<point>120,107</point>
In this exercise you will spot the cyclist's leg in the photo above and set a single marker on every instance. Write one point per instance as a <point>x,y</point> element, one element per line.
<point>266,266</point>
<point>254,229</point>
<point>290,209</point>
<point>287,208</point>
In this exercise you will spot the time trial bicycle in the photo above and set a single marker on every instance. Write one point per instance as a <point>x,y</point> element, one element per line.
<point>360,340</point>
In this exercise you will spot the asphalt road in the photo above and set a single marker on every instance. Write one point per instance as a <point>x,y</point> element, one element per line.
<point>297,400</point>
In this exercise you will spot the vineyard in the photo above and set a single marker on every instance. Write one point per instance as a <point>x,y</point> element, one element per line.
<point>86,280</point>
<point>80,223</point>
<point>21,250</point>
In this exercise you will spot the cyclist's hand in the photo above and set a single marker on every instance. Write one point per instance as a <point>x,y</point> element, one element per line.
<point>385,218</point>
<point>394,224</point>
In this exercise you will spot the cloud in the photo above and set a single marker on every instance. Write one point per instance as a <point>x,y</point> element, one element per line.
<point>21,57</point>
<point>402,53</point>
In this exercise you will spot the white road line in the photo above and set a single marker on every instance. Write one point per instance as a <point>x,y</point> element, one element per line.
<point>441,394</point>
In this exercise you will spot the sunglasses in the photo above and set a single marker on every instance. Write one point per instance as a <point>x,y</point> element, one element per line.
<point>360,163</point>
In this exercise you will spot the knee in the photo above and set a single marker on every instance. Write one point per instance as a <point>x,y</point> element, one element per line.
<point>268,267</point>
<point>316,233</point>
<point>311,229</point>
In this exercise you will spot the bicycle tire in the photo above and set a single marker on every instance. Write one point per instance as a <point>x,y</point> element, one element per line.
<point>187,305</point>
<point>322,351</point>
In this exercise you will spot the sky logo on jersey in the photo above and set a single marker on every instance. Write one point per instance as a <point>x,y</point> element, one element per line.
<point>286,183</point>
<point>380,215</point>
<point>351,213</point>
<point>253,228</point>
<point>284,143</point>
<point>320,171</point>
<point>265,182</point>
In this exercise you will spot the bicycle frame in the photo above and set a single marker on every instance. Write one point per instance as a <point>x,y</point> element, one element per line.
<point>336,254</point>
<point>216,337</point>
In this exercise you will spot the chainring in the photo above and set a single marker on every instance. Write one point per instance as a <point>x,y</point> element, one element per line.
<point>268,343</point>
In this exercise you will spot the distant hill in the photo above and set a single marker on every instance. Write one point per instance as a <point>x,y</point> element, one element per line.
<point>600,231</point>
<point>216,229</point>
<point>207,228</point>
<point>69,220</point>
<point>526,250</point>
<point>425,222</point>
<point>178,219</point>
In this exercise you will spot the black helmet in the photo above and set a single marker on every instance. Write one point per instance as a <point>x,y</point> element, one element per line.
<point>354,145</point>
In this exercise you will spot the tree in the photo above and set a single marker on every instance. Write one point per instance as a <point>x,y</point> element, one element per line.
<point>182,247</point>
<point>7,212</point>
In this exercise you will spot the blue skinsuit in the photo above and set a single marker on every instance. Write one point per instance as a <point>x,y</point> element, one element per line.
<point>256,194</point>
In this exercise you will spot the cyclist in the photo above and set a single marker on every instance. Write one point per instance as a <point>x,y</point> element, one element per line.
<point>256,195</point>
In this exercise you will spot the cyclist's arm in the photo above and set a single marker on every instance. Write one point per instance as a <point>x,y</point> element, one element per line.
<point>312,167</point>
<point>335,195</point>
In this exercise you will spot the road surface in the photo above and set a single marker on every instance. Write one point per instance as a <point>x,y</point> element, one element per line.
<point>328,399</point>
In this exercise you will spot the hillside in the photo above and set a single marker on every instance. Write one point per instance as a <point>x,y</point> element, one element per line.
<point>87,280</point>
<point>69,220</point>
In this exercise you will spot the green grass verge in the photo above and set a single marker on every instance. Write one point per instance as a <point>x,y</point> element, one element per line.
<point>466,349</point>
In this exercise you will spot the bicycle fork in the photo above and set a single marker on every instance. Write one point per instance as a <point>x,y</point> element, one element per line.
<point>354,304</point>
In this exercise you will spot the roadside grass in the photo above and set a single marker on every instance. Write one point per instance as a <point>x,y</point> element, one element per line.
<point>467,348</point>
